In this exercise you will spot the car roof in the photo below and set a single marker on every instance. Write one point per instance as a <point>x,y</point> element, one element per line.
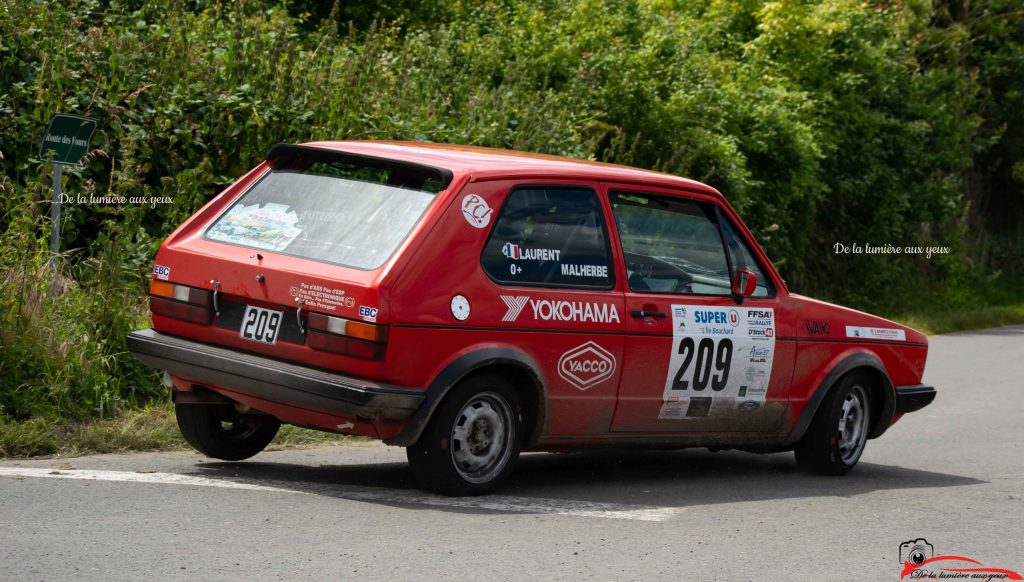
<point>492,163</point>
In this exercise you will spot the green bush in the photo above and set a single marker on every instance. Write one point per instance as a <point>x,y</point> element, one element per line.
<point>822,121</point>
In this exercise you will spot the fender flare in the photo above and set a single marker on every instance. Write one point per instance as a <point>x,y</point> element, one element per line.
<point>463,366</point>
<point>846,365</point>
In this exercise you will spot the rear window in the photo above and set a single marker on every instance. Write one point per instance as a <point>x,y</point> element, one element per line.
<point>330,208</point>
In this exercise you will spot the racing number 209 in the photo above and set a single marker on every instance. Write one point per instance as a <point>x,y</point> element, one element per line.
<point>706,356</point>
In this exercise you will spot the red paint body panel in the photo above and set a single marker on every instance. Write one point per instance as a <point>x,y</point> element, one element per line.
<point>602,381</point>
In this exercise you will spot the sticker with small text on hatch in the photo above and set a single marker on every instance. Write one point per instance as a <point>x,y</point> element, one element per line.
<point>882,333</point>
<point>320,297</point>
<point>161,272</point>
<point>720,362</point>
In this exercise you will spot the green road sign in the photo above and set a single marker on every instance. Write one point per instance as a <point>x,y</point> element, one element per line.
<point>67,137</point>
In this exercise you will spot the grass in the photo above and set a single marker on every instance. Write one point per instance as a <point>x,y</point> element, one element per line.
<point>150,429</point>
<point>935,322</point>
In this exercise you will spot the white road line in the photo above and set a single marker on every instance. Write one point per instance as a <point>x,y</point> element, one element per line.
<point>130,477</point>
<point>570,507</point>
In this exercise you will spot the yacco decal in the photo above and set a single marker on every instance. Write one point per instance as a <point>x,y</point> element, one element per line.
<point>548,310</point>
<point>586,365</point>
<point>720,361</point>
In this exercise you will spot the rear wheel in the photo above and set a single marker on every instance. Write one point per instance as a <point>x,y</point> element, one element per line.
<point>221,432</point>
<point>472,441</point>
<point>837,435</point>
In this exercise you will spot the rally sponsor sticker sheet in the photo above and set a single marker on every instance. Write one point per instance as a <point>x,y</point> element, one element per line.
<point>720,361</point>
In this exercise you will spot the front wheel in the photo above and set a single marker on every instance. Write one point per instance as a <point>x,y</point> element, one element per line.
<point>472,441</point>
<point>221,432</point>
<point>837,435</point>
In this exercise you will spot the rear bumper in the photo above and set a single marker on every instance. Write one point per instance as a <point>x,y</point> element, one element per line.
<point>272,380</point>
<point>911,398</point>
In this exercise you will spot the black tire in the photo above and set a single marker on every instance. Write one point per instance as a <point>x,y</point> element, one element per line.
<point>472,441</point>
<point>221,432</point>
<point>837,436</point>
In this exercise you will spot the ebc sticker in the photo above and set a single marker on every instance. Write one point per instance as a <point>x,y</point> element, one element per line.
<point>161,272</point>
<point>476,211</point>
<point>720,363</point>
<point>368,313</point>
<point>548,310</point>
<point>586,365</point>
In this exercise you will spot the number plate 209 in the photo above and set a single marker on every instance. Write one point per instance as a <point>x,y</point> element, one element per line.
<point>260,325</point>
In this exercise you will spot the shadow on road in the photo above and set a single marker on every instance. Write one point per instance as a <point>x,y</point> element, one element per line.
<point>651,478</point>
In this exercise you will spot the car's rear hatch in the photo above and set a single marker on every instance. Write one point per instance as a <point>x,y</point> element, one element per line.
<point>292,260</point>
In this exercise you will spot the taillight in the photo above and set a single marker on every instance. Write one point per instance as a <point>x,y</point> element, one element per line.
<point>180,302</point>
<point>345,336</point>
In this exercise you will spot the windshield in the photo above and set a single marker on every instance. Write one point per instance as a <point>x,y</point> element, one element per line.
<point>334,211</point>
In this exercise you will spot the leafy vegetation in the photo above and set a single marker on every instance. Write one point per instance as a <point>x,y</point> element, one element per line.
<point>148,429</point>
<point>822,121</point>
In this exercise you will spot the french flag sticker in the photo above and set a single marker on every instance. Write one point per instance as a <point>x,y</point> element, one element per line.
<point>511,251</point>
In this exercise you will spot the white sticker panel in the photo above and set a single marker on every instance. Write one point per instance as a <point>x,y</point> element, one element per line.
<point>883,333</point>
<point>720,361</point>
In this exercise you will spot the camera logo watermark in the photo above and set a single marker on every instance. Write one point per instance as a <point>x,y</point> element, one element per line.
<point>920,563</point>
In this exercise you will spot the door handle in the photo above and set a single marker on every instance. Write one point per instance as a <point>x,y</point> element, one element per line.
<point>642,313</point>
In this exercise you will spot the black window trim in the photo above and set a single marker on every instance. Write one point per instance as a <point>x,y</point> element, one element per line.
<point>282,151</point>
<point>604,227</point>
<point>723,219</point>
<point>719,215</point>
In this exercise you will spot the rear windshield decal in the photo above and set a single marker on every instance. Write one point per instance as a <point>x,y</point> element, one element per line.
<point>270,227</point>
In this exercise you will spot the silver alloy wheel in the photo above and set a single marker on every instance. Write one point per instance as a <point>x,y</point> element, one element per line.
<point>481,437</point>
<point>853,425</point>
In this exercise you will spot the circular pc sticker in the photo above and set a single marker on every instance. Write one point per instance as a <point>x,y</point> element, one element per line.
<point>476,211</point>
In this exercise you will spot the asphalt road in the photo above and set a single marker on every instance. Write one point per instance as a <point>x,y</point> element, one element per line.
<point>952,473</point>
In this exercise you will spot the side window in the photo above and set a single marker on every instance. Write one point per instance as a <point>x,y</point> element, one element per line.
<point>671,245</point>
<point>742,258</point>
<point>548,236</point>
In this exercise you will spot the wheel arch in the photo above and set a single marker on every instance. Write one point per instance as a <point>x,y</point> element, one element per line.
<point>507,362</point>
<point>881,396</point>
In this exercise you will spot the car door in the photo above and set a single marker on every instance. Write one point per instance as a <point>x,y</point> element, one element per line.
<point>696,358</point>
<point>550,262</point>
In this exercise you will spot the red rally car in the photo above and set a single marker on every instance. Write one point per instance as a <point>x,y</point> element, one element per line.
<point>469,303</point>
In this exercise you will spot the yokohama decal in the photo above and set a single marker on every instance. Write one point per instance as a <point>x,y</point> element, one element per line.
<point>586,365</point>
<point>515,306</point>
<point>548,310</point>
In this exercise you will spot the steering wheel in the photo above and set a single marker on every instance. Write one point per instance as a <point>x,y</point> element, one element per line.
<point>645,269</point>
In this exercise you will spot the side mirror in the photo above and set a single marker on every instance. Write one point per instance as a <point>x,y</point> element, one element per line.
<point>744,283</point>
